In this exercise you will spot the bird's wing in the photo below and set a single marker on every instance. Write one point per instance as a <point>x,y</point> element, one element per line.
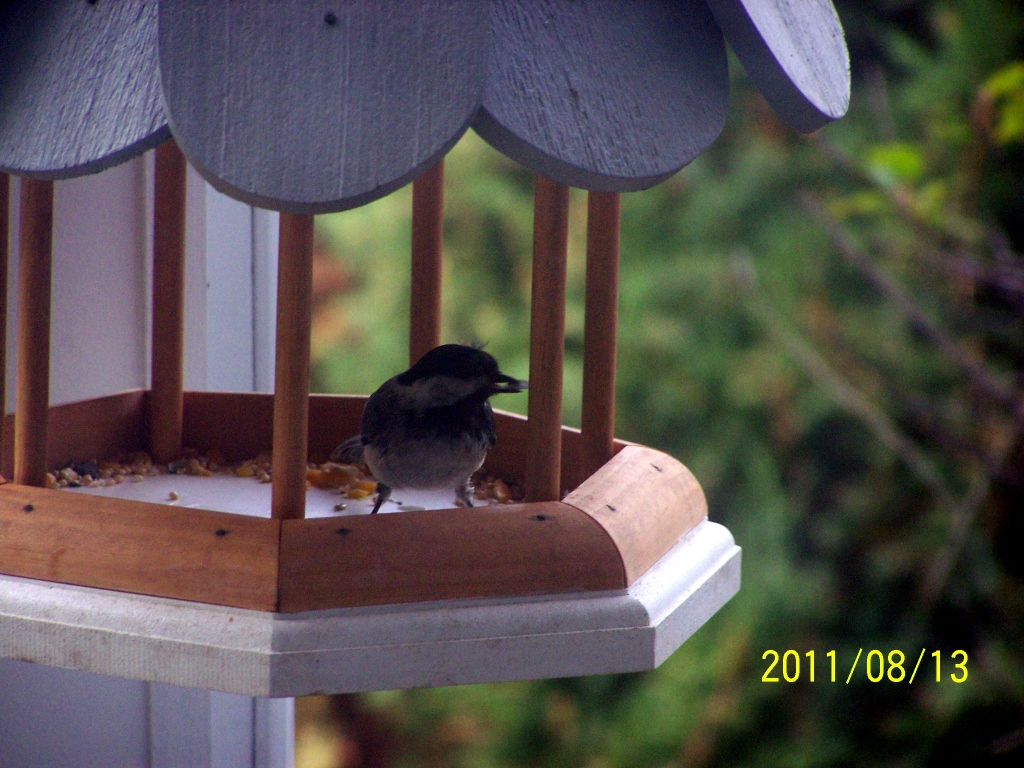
<point>350,451</point>
<point>489,427</point>
<point>382,412</point>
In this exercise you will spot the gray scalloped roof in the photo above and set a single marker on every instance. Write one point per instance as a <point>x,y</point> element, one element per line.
<point>323,106</point>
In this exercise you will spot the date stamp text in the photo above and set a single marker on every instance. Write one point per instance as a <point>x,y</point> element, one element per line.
<point>791,666</point>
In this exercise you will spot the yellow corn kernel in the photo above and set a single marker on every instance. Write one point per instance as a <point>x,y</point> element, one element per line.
<point>336,478</point>
<point>197,469</point>
<point>327,479</point>
<point>333,466</point>
<point>502,492</point>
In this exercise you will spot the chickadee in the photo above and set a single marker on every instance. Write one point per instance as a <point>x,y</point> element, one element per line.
<point>432,426</point>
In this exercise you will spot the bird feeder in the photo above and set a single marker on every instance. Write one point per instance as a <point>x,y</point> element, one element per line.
<point>608,565</point>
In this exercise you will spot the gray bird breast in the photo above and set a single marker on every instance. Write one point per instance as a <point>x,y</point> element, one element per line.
<point>427,464</point>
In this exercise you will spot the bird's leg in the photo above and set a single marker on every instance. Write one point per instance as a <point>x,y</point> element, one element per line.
<point>464,493</point>
<point>383,494</point>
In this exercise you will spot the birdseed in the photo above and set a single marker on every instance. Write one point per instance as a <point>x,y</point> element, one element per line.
<point>348,480</point>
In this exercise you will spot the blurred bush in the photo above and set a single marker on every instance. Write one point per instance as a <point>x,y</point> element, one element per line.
<point>828,331</point>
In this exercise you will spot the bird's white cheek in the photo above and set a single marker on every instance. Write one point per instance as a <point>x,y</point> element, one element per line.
<point>372,458</point>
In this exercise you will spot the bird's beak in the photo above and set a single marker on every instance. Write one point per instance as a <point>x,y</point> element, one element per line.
<point>507,384</point>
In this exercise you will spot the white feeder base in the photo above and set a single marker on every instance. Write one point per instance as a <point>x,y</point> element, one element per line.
<point>360,649</point>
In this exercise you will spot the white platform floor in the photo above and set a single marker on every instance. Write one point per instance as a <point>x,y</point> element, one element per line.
<point>247,496</point>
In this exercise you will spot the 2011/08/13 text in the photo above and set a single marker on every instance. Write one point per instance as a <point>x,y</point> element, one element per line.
<point>877,666</point>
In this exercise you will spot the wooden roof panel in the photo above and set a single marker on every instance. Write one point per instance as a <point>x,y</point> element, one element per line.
<point>79,89</point>
<point>319,107</point>
<point>795,53</point>
<point>610,95</point>
<point>312,107</point>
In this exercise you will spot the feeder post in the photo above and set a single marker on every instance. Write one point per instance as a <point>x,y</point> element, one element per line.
<point>599,332</point>
<point>425,299</point>
<point>291,364</point>
<point>32,384</point>
<point>547,339</point>
<point>168,342</point>
<point>5,186</point>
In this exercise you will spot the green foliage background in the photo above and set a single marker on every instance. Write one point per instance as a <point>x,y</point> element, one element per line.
<point>828,331</point>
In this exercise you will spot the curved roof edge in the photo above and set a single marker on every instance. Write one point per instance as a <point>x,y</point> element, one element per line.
<point>79,87</point>
<point>794,53</point>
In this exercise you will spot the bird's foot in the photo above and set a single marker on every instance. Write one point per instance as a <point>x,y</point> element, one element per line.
<point>464,493</point>
<point>383,494</point>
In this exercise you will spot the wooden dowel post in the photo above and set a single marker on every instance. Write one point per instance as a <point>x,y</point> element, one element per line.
<point>547,339</point>
<point>5,202</point>
<point>291,379</point>
<point>168,343</point>
<point>425,301</point>
<point>599,332</point>
<point>32,383</point>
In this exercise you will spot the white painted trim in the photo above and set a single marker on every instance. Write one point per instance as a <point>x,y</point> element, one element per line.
<point>13,240</point>
<point>179,726</point>
<point>229,294</point>
<point>264,296</point>
<point>195,280</point>
<point>274,733</point>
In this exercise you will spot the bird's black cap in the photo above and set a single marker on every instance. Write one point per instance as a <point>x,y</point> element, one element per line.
<point>461,362</point>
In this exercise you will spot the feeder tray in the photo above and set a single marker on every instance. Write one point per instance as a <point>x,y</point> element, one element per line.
<point>452,642</point>
<point>575,568</point>
<point>602,536</point>
<point>610,566</point>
